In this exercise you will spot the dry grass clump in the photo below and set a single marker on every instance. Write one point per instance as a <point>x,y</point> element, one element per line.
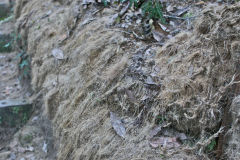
<point>187,83</point>
<point>115,69</point>
<point>200,73</point>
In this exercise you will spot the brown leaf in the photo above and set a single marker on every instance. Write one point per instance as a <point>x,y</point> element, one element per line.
<point>117,125</point>
<point>200,3</point>
<point>165,142</point>
<point>58,53</point>
<point>155,131</point>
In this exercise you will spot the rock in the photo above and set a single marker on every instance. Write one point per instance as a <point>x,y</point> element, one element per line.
<point>5,155</point>
<point>4,8</point>
<point>14,112</point>
<point>12,156</point>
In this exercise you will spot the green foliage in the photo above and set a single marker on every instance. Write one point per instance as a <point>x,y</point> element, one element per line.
<point>211,145</point>
<point>25,118</point>
<point>6,42</point>
<point>132,3</point>
<point>15,116</point>
<point>160,119</point>
<point>16,110</point>
<point>187,15</point>
<point>153,9</point>
<point>24,65</point>
<point>104,2</point>
<point>6,19</point>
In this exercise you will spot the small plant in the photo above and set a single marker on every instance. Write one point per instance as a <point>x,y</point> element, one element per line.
<point>25,118</point>
<point>151,8</point>
<point>24,65</point>
<point>6,19</point>
<point>16,110</point>
<point>160,119</point>
<point>187,15</point>
<point>211,145</point>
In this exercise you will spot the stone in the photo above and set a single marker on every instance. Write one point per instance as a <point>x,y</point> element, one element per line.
<point>14,113</point>
<point>5,155</point>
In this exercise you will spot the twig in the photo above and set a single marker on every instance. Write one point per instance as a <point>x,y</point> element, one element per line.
<point>117,30</point>
<point>175,17</point>
<point>208,141</point>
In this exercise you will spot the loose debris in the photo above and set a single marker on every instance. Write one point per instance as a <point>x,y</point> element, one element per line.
<point>165,142</point>
<point>117,125</point>
<point>183,82</point>
<point>58,53</point>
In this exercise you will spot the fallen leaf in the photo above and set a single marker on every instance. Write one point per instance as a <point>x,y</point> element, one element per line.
<point>58,53</point>
<point>170,8</point>
<point>117,125</point>
<point>181,11</point>
<point>157,36</point>
<point>44,148</point>
<point>155,131</point>
<point>200,3</point>
<point>63,37</point>
<point>165,142</point>
<point>182,136</point>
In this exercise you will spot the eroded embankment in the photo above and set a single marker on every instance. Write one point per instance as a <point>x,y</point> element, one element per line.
<point>184,85</point>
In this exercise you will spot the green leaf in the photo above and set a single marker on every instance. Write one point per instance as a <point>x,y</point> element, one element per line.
<point>20,54</point>
<point>7,45</point>
<point>24,63</point>
<point>212,145</point>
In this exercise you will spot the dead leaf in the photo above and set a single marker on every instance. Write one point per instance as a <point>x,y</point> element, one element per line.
<point>160,28</point>
<point>165,142</point>
<point>58,53</point>
<point>182,136</point>
<point>131,96</point>
<point>62,38</point>
<point>170,8</point>
<point>117,125</point>
<point>150,81</point>
<point>155,131</point>
<point>200,3</point>
<point>157,36</point>
<point>181,11</point>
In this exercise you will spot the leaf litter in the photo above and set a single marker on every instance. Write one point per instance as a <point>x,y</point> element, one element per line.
<point>117,125</point>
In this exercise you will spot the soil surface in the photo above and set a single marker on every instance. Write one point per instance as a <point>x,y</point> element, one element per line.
<point>32,141</point>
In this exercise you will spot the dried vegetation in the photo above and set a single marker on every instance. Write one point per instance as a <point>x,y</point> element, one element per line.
<point>185,87</point>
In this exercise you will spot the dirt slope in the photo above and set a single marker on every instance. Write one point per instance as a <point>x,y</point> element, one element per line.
<point>186,82</point>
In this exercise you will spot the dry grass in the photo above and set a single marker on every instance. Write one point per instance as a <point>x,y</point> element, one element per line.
<point>194,71</point>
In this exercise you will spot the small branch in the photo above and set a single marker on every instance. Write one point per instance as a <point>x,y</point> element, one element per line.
<point>175,17</point>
